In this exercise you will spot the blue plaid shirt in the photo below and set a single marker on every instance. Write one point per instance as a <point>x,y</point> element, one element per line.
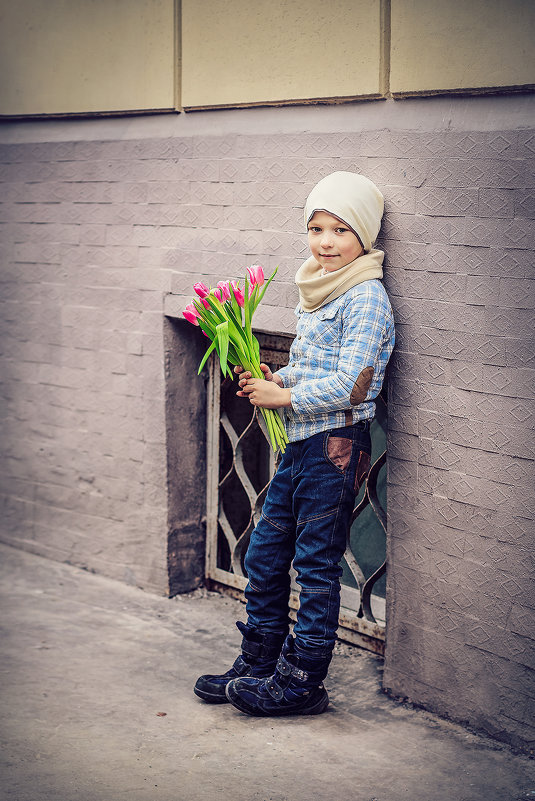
<point>332,346</point>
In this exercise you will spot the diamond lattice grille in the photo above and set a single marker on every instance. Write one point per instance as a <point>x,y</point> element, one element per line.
<point>240,467</point>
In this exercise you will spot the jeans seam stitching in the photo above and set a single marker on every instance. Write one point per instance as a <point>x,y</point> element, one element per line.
<point>318,517</point>
<point>272,523</point>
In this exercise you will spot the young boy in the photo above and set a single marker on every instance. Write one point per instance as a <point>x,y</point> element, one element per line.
<point>345,335</point>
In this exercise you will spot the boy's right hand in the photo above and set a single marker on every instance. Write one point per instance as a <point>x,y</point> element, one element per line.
<point>245,374</point>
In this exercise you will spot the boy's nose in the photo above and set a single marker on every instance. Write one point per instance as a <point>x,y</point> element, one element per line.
<point>326,240</point>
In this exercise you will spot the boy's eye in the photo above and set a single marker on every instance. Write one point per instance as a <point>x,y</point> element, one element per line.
<point>314,229</point>
<point>341,230</point>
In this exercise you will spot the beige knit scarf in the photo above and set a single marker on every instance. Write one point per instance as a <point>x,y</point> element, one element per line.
<point>317,289</point>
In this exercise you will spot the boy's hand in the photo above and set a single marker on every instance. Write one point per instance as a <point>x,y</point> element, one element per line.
<point>268,375</point>
<point>268,393</point>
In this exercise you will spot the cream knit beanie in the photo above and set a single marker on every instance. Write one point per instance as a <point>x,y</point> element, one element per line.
<point>353,199</point>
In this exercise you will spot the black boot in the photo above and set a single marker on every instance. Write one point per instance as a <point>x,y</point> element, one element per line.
<point>295,689</point>
<point>259,654</point>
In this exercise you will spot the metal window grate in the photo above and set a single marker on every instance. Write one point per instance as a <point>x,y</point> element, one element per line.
<point>240,466</point>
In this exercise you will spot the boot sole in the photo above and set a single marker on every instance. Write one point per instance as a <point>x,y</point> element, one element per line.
<point>316,709</point>
<point>210,698</point>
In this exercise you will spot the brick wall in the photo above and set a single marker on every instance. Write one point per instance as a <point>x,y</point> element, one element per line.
<point>99,237</point>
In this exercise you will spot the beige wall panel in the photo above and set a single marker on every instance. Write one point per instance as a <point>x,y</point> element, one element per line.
<point>444,45</point>
<point>72,56</point>
<point>279,50</point>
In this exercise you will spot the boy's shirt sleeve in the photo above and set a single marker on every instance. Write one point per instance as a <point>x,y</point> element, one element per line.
<point>346,377</point>
<point>282,372</point>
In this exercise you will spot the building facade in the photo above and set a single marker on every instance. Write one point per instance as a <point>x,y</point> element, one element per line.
<point>174,143</point>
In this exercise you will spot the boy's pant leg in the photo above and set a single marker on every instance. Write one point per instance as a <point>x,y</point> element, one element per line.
<point>312,490</point>
<point>270,554</point>
<point>324,498</point>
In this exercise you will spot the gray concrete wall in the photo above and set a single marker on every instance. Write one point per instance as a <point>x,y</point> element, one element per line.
<point>108,223</point>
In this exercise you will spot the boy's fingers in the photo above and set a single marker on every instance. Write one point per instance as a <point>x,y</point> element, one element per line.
<point>238,369</point>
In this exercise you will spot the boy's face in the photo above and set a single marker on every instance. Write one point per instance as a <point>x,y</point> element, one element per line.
<point>331,242</point>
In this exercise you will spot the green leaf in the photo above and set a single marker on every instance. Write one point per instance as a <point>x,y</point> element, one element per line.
<point>246,315</point>
<point>205,322</point>
<point>256,346</point>
<point>216,307</point>
<point>235,307</point>
<point>205,357</point>
<point>266,284</point>
<point>223,340</point>
<point>236,326</point>
<point>208,330</point>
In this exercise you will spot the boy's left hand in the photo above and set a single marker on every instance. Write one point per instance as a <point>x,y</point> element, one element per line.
<point>266,394</point>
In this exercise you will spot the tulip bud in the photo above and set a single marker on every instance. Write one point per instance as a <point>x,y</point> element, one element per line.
<point>191,314</point>
<point>238,293</point>
<point>256,274</point>
<point>201,289</point>
<point>224,287</point>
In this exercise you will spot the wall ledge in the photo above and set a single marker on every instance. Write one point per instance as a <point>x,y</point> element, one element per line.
<point>441,113</point>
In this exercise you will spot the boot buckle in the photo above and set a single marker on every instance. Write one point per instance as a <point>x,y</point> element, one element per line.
<point>274,690</point>
<point>300,675</point>
<point>283,667</point>
<point>240,666</point>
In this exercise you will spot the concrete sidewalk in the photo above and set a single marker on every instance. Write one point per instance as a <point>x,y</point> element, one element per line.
<point>89,666</point>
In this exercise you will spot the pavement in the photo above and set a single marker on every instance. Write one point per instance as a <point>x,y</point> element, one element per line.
<point>97,705</point>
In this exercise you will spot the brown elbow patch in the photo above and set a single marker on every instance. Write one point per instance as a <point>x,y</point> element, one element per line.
<point>361,386</point>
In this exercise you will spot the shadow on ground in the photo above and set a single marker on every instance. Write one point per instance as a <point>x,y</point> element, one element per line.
<point>97,706</point>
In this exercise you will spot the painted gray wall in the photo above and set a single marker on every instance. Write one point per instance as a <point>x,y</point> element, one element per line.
<point>107,222</point>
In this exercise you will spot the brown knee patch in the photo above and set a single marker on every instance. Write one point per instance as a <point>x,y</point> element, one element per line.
<point>363,468</point>
<point>339,451</point>
<point>361,386</point>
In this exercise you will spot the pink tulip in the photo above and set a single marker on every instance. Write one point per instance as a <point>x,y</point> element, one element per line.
<point>225,290</point>
<point>256,274</point>
<point>201,289</point>
<point>217,294</point>
<point>238,293</point>
<point>191,314</point>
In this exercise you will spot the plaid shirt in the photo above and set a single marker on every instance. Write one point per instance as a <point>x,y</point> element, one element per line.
<point>333,345</point>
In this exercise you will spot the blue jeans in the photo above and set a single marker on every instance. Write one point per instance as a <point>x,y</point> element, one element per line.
<point>305,520</point>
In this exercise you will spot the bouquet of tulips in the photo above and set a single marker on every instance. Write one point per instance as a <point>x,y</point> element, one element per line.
<point>225,316</point>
